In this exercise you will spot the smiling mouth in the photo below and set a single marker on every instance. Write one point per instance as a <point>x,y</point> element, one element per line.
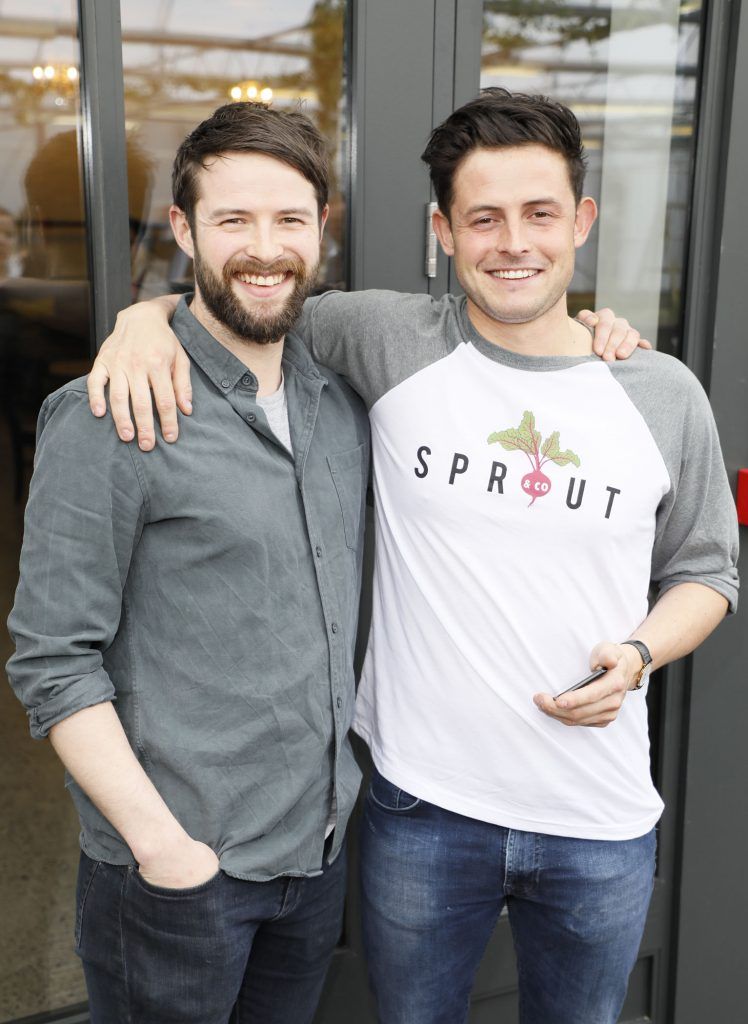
<point>261,280</point>
<point>513,275</point>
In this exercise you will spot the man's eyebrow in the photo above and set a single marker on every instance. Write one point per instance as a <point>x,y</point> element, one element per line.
<point>299,211</point>
<point>488,208</point>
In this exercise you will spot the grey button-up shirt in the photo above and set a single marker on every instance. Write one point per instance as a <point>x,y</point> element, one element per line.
<point>210,589</point>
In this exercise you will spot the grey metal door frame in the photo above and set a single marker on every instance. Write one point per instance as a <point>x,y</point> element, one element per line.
<point>712,899</point>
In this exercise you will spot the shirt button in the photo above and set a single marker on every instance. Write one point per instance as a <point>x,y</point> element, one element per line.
<point>339,702</point>
<point>246,380</point>
<point>334,627</point>
<point>225,383</point>
<point>318,551</point>
<point>251,417</point>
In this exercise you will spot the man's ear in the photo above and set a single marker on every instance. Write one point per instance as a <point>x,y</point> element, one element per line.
<point>585,218</point>
<point>180,226</point>
<point>323,220</point>
<point>443,232</point>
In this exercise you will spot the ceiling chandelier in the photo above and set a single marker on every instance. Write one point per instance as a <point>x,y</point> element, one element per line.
<point>59,80</point>
<point>251,90</point>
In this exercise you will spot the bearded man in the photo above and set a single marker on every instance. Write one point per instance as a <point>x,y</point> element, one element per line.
<point>185,623</point>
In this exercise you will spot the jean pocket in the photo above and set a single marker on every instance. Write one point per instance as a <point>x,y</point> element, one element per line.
<point>347,471</point>
<point>174,894</point>
<point>390,797</point>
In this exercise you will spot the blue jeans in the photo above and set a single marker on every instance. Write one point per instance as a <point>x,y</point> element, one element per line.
<point>227,950</point>
<point>434,884</point>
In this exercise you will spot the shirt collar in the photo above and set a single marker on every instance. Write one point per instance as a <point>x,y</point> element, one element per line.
<point>221,366</point>
<point>508,357</point>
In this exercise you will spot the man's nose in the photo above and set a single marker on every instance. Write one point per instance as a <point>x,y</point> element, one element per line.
<point>264,244</point>
<point>513,237</point>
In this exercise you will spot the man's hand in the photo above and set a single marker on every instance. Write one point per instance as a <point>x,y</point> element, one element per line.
<point>614,338</point>
<point>599,703</point>
<point>182,865</point>
<point>142,355</point>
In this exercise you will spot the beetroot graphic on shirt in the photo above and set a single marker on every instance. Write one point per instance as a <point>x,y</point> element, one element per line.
<point>527,439</point>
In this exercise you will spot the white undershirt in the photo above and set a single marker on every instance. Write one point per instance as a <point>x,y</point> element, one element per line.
<point>275,407</point>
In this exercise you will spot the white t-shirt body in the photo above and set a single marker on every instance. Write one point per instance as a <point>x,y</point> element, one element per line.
<point>523,506</point>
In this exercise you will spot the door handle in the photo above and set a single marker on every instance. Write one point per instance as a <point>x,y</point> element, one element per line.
<point>431,243</point>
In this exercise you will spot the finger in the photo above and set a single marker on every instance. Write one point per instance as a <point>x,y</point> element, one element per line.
<point>602,695</point>
<point>586,316</point>
<point>97,381</point>
<point>605,319</point>
<point>119,404</point>
<point>622,343</point>
<point>622,337</point>
<point>598,713</point>
<point>142,410</point>
<point>163,395</point>
<point>183,382</point>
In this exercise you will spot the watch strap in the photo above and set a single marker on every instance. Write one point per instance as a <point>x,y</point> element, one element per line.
<point>646,658</point>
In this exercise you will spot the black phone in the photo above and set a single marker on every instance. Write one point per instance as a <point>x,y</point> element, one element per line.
<point>583,682</point>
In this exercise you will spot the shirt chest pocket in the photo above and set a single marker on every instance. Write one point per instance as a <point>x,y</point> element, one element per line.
<point>348,470</point>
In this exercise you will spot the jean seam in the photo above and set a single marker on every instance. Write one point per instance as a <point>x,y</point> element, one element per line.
<point>82,907</point>
<point>125,978</point>
<point>398,809</point>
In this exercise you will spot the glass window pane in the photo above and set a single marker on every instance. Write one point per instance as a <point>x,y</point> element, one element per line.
<point>179,66</point>
<point>629,72</point>
<point>44,341</point>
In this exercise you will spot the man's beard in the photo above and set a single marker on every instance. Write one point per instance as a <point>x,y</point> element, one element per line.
<point>263,328</point>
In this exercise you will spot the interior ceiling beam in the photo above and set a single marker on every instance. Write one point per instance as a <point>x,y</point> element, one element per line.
<point>47,28</point>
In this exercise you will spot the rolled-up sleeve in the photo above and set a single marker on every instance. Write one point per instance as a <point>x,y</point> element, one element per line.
<point>84,516</point>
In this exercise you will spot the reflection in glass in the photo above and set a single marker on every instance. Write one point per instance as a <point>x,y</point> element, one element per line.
<point>44,341</point>
<point>180,65</point>
<point>629,72</point>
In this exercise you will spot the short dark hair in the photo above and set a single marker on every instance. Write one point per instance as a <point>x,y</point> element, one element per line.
<point>288,136</point>
<point>497,118</point>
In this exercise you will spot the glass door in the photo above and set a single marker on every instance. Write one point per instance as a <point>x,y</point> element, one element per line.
<point>44,341</point>
<point>180,63</point>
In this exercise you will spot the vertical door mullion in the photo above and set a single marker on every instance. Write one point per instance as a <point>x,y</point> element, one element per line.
<point>392,96</point>
<point>708,191</point>
<point>104,168</point>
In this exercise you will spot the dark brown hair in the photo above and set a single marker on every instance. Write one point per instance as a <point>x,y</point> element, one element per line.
<point>498,118</point>
<point>288,136</point>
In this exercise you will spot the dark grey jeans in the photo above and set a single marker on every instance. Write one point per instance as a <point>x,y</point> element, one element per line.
<point>227,950</point>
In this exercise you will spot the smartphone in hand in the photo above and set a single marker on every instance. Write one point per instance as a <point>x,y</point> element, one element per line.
<point>583,682</point>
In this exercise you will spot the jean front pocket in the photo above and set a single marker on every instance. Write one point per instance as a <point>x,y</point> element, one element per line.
<point>175,894</point>
<point>389,797</point>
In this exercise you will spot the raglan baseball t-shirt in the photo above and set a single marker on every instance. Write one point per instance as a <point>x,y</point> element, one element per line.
<point>524,505</point>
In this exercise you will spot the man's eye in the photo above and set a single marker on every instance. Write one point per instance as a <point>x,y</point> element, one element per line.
<point>292,220</point>
<point>541,214</point>
<point>232,221</point>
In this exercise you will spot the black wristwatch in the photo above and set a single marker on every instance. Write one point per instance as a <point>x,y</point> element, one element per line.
<point>646,660</point>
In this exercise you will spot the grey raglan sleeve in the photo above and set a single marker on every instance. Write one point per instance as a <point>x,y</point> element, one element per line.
<point>696,539</point>
<point>83,518</point>
<point>375,339</point>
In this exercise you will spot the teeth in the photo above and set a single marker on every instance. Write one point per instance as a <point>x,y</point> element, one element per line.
<point>513,275</point>
<point>264,282</point>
